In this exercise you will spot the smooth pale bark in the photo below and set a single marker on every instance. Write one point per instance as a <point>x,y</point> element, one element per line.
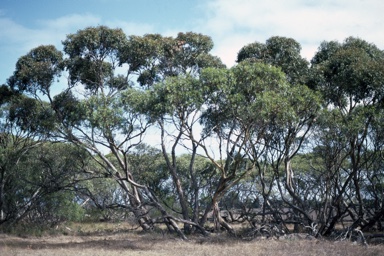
<point>172,167</point>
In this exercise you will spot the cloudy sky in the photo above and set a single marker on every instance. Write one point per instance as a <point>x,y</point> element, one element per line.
<point>25,24</point>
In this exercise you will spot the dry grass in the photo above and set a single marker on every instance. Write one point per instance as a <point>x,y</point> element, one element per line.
<point>155,244</point>
<point>119,239</point>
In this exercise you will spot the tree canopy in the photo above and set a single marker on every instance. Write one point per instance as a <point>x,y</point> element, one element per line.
<point>273,140</point>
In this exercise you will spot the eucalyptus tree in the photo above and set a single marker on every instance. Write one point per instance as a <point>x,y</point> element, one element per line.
<point>101,108</point>
<point>349,75</point>
<point>15,143</point>
<point>290,129</point>
<point>175,101</point>
<point>36,176</point>
<point>373,186</point>
<point>94,111</point>
<point>290,116</point>
<point>110,108</point>
<point>38,180</point>
<point>48,176</point>
<point>242,106</point>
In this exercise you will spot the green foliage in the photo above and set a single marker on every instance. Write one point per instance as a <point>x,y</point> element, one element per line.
<point>242,95</point>
<point>94,43</point>
<point>6,94</point>
<point>34,180</point>
<point>349,71</point>
<point>101,192</point>
<point>103,112</point>
<point>280,52</point>
<point>37,70</point>
<point>205,175</point>
<point>149,167</point>
<point>93,56</point>
<point>58,207</point>
<point>31,115</point>
<point>70,109</point>
<point>175,96</point>
<point>154,58</point>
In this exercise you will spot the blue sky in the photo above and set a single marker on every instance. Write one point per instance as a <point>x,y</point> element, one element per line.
<point>25,24</point>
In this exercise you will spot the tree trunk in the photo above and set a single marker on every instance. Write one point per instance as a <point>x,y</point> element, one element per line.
<point>169,220</point>
<point>138,210</point>
<point>219,221</point>
<point>172,167</point>
<point>2,217</point>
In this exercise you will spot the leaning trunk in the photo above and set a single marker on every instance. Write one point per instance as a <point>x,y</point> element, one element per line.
<point>219,221</point>
<point>137,208</point>
<point>141,214</point>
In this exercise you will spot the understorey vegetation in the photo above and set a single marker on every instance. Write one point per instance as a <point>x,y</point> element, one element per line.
<point>158,132</point>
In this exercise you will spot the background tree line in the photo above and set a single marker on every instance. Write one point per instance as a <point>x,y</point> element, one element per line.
<point>274,139</point>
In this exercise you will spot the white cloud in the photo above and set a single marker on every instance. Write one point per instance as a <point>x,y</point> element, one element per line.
<point>15,41</point>
<point>70,21</point>
<point>12,32</point>
<point>235,23</point>
<point>22,38</point>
